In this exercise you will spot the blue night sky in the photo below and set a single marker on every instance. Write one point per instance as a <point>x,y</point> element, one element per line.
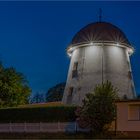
<point>34,36</point>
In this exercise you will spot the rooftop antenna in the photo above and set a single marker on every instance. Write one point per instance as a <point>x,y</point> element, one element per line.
<point>100,14</point>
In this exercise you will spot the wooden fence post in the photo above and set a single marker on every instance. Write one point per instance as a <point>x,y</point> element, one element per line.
<point>75,127</point>
<point>58,127</point>
<point>10,128</point>
<point>40,128</point>
<point>24,126</point>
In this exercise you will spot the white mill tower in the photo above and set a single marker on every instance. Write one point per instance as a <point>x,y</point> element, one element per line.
<point>99,52</point>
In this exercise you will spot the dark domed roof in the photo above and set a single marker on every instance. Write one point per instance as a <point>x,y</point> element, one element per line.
<point>100,31</point>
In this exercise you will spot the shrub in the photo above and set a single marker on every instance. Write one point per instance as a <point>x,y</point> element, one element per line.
<point>38,114</point>
<point>98,110</point>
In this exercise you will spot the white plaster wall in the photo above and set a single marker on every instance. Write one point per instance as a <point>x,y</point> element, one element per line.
<point>92,60</point>
<point>117,66</point>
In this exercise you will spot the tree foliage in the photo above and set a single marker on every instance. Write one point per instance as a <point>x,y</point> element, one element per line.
<point>98,109</point>
<point>14,89</point>
<point>37,98</point>
<point>55,93</point>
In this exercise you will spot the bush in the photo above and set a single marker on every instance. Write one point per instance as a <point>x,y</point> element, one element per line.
<point>98,110</point>
<point>36,114</point>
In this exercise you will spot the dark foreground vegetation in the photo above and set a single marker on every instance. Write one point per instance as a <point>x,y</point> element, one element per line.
<point>14,88</point>
<point>65,136</point>
<point>38,114</point>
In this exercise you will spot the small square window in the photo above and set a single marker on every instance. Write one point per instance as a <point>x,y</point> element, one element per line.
<point>134,112</point>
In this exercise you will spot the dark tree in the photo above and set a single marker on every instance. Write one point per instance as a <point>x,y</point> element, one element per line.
<point>98,109</point>
<point>55,93</point>
<point>37,98</point>
<point>138,96</point>
<point>14,89</point>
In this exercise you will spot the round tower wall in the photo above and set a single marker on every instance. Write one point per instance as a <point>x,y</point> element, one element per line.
<point>92,65</point>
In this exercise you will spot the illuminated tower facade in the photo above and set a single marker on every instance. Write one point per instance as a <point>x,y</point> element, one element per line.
<point>99,52</point>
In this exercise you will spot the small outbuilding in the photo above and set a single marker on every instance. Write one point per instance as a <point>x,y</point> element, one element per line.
<point>128,116</point>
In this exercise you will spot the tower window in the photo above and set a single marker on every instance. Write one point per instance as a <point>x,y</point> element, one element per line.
<point>133,89</point>
<point>70,91</point>
<point>74,71</point>
<point>75,66</point>
<point>79,88</point>
<point>69,97</point>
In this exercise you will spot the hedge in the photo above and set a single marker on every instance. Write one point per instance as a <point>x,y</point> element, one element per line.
<point>42,114</point>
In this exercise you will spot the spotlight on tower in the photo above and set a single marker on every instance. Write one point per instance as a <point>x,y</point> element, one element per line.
<point>91,43</point>
<point>69,51</point>
<point>118,44</point>
<point>130,51</point>
<point>69,54</point>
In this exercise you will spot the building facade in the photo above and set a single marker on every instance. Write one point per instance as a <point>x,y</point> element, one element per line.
<point>128,117</point>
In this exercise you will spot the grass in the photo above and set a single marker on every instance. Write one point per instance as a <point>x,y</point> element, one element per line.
<point>41,105</point>
<point>37,105</point>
